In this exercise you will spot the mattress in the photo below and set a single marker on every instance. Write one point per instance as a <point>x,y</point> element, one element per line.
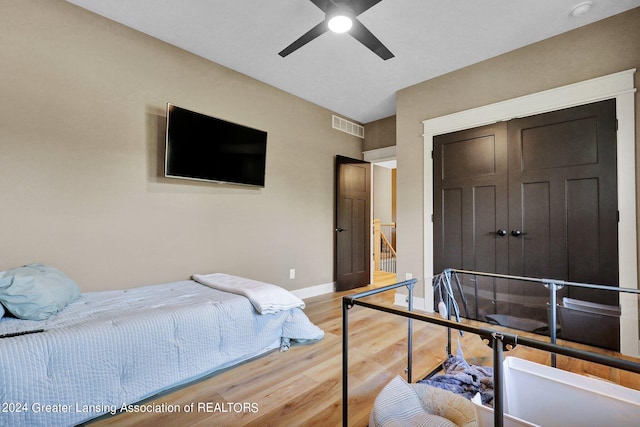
<point>113,348</point>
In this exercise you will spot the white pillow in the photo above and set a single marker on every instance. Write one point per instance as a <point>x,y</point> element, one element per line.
<point>36,291</point>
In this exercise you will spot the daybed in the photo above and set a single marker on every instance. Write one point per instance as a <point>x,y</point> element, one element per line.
<point>106,350</point>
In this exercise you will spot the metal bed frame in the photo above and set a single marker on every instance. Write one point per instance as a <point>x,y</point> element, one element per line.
<point>498,340</point>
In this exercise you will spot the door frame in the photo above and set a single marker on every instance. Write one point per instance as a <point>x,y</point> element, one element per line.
<point>376,156</point>
<point>619,86</point>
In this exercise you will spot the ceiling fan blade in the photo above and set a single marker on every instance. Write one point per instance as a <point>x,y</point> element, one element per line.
<point>323,5</point>
<point>316,31</point>
<point>360,6</point>
<point>355,6</point>
<point>366,37</point>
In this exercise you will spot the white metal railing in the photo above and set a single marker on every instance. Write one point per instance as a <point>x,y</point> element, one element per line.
<point>384,253</point>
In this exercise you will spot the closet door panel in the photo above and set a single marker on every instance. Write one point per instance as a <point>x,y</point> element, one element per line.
<point>470,196</point>
<point>573,153</point>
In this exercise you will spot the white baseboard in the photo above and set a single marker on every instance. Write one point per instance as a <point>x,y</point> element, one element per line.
<point>314,291</point>
<point>327,288</point>
<point>402,300</point>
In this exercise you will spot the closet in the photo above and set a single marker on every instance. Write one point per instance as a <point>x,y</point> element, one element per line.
<point>533,196</point>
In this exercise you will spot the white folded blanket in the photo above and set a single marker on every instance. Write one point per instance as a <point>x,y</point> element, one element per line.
<point>266,298</point>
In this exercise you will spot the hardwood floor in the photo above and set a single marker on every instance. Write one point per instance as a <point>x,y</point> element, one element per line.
<point>383,278</point>
<point>303,386</point>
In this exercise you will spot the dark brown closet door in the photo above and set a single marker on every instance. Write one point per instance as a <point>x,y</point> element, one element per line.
<point>563,199</point>
<point>470,206</point>
<point>533,197</point>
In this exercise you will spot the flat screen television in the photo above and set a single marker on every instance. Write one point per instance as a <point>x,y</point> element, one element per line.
<point>205,148</point>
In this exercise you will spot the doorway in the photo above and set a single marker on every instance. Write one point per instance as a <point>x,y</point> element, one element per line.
<point>384,168</point>
<point>353,223</point>
<point>382,198</point>
<point>384,253</point>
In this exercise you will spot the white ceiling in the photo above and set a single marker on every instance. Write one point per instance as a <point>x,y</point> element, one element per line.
<point>428,38</point>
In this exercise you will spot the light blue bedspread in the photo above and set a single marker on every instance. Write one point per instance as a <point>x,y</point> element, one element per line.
<point>112,348</point>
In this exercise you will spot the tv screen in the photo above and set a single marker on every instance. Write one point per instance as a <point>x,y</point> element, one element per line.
<point>205,148</point>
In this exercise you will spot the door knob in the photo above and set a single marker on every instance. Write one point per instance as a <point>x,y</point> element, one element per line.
<point>516,233</point>
<point>501,233</point>
<point>340,229</point>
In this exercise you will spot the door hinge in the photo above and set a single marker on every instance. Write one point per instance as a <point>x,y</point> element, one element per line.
<point>618,216</point>
<point>616,124</point>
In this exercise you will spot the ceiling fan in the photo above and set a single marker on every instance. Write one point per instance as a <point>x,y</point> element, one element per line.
<point>345,12</point>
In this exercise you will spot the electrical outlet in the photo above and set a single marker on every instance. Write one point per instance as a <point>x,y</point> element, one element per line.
<point>292,273</point>
<point>408,276</point>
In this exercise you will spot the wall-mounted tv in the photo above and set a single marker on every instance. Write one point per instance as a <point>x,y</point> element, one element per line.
<point>205,148</point>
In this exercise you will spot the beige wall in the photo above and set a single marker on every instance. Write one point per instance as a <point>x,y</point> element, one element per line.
<point>382,194</point>
<point>599,49</point>
<point>380,133</point>
<point>81,136</point>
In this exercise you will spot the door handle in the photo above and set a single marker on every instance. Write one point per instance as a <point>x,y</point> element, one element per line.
<point>517,233</point>
<point>340,229</point>
<point>501,233</point>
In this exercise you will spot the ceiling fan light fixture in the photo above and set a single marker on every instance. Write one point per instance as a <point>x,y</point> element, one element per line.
<point>340,23</point>
<point>340,16</point>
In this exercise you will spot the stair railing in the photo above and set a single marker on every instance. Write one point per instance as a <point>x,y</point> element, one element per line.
<point>384,254</point>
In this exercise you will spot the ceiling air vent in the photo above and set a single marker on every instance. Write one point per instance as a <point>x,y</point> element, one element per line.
<point>348,127</point>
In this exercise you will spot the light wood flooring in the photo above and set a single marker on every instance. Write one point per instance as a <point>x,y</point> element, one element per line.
<point>303,386</point>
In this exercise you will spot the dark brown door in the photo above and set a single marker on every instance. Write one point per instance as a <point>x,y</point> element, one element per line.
<point>563,199</point>
<point>470,215</point>
<point>531,197</point>
<point>353,223</point>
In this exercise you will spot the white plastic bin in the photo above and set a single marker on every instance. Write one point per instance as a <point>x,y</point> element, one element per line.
<point>550,397</point>
<point>484,416</point>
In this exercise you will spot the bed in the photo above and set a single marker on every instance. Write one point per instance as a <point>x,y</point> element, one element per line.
<point>105,351</point>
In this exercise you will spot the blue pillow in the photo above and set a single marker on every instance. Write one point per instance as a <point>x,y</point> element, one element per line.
<point>36,291</point>
<point>1,311</point>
